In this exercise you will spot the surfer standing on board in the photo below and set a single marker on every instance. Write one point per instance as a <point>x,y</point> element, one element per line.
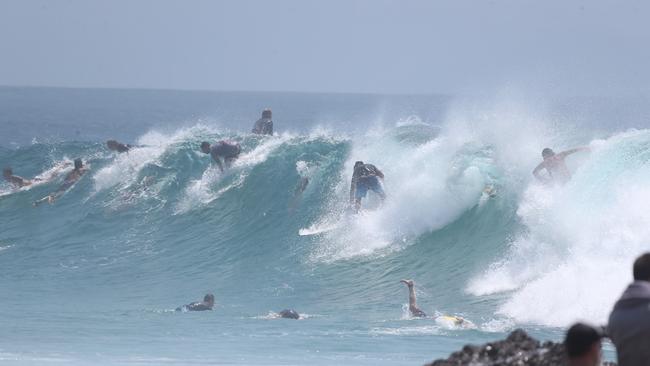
<point>365,177</point>
<point>554,164</point>
<point>70,180</point>
<point>228,150</point>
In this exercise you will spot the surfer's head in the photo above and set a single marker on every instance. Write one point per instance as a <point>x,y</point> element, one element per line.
<point>358,164</point>
<point>642,268</point>
<point>208,299</point>
<point>78,163</point>
<point>205,147</point>
<point>547,153</point>
<point>7,172</point>
<point>266,113</point>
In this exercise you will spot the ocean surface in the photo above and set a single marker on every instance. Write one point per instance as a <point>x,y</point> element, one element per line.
<point>95,277</point>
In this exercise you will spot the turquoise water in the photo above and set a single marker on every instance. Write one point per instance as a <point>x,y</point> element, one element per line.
<point>94,278</point>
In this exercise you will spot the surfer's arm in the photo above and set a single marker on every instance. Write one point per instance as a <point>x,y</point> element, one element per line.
<point>572,151</point>
<point>537,170</point>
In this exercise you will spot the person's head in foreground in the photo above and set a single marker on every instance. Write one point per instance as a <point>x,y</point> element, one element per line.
<point>266,113</point>
<point>583,345</point>
<point>641,269</point>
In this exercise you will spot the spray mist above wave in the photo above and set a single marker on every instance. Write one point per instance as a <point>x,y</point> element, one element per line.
<point>574,259</point>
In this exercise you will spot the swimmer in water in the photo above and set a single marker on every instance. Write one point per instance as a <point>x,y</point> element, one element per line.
<point>228,150</point>
<point>206,304</point>
<point>70,180</point>
<point>413,307</point>
<point>117,146</point>
<point>417,313</point>
<point>289,314</point>
<point>15,180</point>
<point>555,166</point>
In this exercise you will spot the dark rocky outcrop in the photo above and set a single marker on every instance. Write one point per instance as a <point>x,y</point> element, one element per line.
<point>517,349</point>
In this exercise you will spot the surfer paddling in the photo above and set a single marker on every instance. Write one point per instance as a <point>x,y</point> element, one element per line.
<point>206,304</point>
<point>228,150</point>
<point>555,166</point>
<point>15,180</point>
<point>70,180</point>
<point>20,182</point>
<point>365,177</point>
<point>289,314</point>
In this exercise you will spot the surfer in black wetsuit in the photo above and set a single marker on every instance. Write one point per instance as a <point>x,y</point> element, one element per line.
<point>206,304</point>
<point>228,150</point>
<point>413,307</point>
<point>365,177</point>
<point>264,125</point>
<point>15,180</point>
<point>70,180</point>
<point>117,146</point>
<point>555,166</point>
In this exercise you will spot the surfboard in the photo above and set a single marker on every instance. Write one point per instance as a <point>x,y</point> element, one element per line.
<point>318,229</point>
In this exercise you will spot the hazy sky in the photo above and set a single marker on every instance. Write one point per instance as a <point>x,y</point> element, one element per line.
<point>402,46</point>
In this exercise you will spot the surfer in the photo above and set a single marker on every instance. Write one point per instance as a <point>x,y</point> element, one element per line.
<point>289,314</point>
<point>206,304</point>
<point>365,177</point>
<point>555,166</point>
<point>416,312</point>
<point>70,180</point>
<point>229,150</point>
<point>117,146</point>
<point>264,125</point>
<point>413,307</point>
<point>15,180</point>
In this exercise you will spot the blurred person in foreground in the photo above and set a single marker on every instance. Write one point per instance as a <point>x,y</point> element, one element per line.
<point>629,321</point>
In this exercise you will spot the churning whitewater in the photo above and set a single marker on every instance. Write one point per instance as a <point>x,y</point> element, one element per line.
<point>146,231</point>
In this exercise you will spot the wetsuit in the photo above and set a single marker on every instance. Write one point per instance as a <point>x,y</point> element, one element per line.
<point>289,314</point>
<point>195,306</point>
<point>263,126</point>
<point>225,149</point>
<point>366,177</point>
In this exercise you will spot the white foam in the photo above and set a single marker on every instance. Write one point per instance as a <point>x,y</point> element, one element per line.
<point>576,256</point>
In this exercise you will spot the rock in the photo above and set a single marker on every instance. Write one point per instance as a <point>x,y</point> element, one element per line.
<point>518,349</point>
